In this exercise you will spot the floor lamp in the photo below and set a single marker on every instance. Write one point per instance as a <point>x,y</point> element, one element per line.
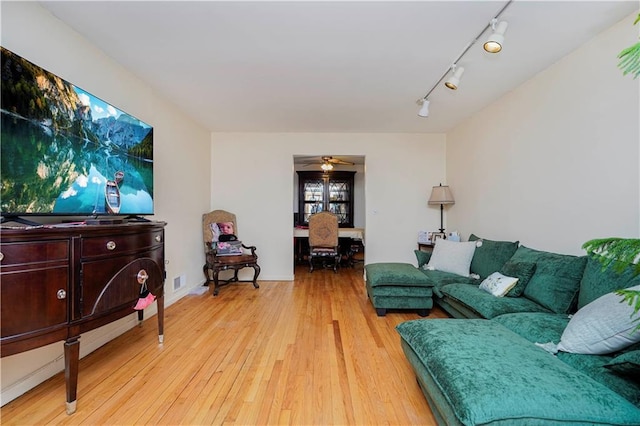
<point>441,195</point>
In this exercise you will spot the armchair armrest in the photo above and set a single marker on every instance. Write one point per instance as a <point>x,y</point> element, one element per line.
<point>252,248</point>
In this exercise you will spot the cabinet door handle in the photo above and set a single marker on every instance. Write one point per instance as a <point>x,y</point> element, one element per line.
<point>158,238</point>
<point>142,276</point>
<point>61,294</point>
<point>111,245</point>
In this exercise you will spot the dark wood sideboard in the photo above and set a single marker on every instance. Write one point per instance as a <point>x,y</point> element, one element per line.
<point>59,281</point>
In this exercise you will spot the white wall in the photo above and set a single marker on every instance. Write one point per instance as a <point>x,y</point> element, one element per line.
<point>181,164</point>
<point>400,170</point>
<point>555,162</point>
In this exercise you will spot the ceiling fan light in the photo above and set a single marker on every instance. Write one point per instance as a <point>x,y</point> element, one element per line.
<point>496,39</point>
<point>453,81</point>
<point>326,166</point>
<point>424,109</point>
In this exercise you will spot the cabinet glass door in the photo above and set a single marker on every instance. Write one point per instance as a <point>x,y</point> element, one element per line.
<point>320,191</point>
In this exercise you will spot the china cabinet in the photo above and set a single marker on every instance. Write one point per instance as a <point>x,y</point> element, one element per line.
<point>332,191</point>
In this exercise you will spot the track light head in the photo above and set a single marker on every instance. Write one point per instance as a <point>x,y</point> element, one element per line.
<point>453,81</point>
<point>424,109</point>
<point>496,39</point>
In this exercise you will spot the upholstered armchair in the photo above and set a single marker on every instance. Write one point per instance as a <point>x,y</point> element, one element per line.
<point>221,226</point>
<point>323,239</point>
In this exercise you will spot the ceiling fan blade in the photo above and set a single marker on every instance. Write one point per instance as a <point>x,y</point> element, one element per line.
<point>339,161</point>
<point>332,160</point>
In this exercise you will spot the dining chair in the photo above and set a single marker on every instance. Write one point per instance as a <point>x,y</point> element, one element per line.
<point>323,239</point>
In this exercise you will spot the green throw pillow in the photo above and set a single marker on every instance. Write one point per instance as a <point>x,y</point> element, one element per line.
<point>627,363</point>
<point>556,280</point>
<point>423,257</point>
<point>597,281</point>
<point>523,271</point>
<point>490,255</point>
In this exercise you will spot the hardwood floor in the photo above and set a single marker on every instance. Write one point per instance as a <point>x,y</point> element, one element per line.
<point>307,352</point>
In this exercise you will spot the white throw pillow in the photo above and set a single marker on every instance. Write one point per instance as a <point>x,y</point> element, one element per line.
<point>603,326</point>
<point>498,284</point>
<point>452,257</point>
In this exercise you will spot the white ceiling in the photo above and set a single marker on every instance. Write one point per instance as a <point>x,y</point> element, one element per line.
<point>338,66</point>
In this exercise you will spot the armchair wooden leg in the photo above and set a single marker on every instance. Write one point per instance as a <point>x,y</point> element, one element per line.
<point>256,268</point>
<point>216,289</point>
<point>205,271</point>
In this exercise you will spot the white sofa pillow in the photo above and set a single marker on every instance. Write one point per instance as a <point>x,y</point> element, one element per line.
<point>452,257</point>
<point>603,326</point>
<point>498,284</point>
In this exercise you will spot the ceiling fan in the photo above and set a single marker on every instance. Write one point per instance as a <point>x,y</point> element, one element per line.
<point>326,162</point>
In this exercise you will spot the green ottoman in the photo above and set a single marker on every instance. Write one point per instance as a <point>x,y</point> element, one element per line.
<point>398,286</point>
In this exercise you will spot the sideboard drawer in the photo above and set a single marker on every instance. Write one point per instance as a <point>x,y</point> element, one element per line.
<point>120,244</point>
<point>25,253</point>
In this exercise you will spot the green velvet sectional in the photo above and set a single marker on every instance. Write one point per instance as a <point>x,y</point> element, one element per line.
<point>483,366</point>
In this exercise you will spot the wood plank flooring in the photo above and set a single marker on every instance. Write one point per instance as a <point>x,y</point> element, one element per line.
<point>307,352</point>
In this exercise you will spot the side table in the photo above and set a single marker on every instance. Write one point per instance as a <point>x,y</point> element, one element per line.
<point>428,247</point>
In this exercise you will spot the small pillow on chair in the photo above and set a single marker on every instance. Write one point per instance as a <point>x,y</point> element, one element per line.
<point>452,257</point>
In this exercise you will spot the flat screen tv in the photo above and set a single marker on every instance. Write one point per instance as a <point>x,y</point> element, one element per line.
<point>66,152</point>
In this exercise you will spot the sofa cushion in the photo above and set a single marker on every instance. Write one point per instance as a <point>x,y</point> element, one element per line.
<point>498,284</point>
<point>439,279</point>
<point>490,255</point>
<point>535,326</point>
<point>595,366</point>
<point>603,326</point>
<point>521,270</point>
<point>556,280</point>
<point>400,274</point>
<point>422,257</point>
<point>465,364</point>
<point>627,363</point>
<point>451,256</point>
<point>487,305</point>
<point>597,281</point>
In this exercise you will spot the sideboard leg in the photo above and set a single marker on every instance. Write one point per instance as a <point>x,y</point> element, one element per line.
<point>160,301</point>
<point>71,360</point>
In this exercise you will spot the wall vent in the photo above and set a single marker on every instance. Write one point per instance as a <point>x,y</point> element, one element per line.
<point>178,282</point>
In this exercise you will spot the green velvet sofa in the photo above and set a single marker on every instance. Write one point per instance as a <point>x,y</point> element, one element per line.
<point>488,364</point>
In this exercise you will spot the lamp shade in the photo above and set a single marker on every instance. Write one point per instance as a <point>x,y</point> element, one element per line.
<point>441,195</point>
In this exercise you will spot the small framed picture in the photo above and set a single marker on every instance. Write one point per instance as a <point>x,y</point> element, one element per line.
<point>437,235</point>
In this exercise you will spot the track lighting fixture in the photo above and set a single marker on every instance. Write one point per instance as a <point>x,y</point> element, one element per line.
<point>493,45</point>
<point>453,81</point>
<point>496,39</point>
<point>424,109</point>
